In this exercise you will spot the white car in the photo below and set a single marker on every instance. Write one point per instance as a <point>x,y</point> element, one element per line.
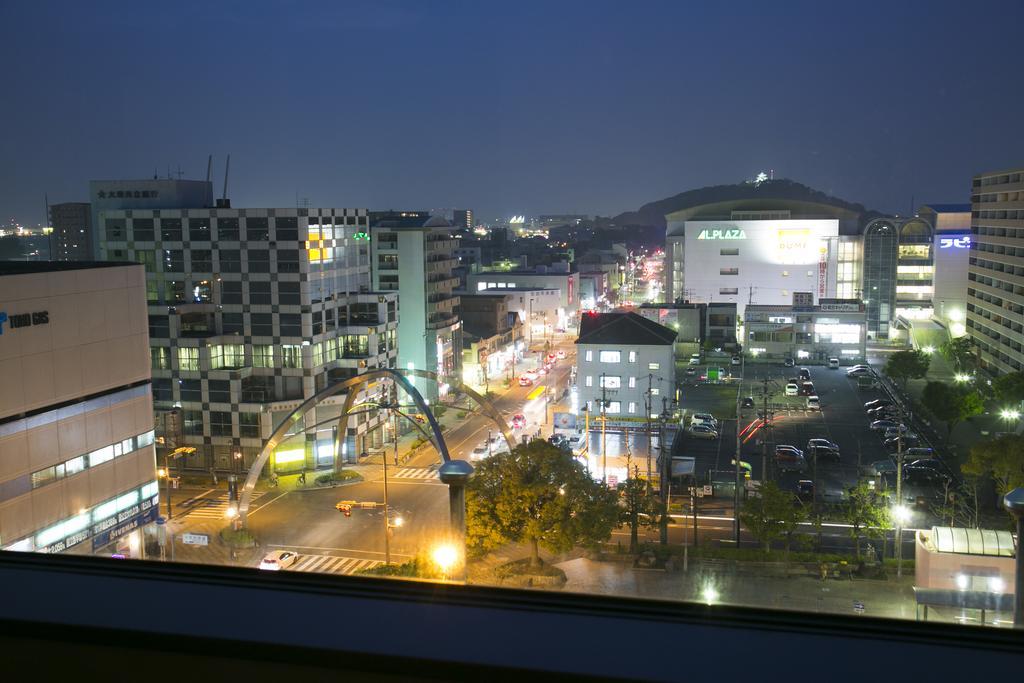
<point>706,419</point>
<point>792,389</point>
<point>700,431</point>
<point>736,360</point>
<point>480,452</point>
<point>813,403</point>
<point>277,560</point>
<point>529,374</point>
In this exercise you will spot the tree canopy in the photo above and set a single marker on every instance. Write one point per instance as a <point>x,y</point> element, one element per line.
<point>1001,458</point>
<point>536,494</point>
<point>1009,388</point>
<point>639,507</point>
<point>951,404</point>
<point>866,513</point>
<point>904,365</point>
<point>960,352</point>
<point>772,516</point>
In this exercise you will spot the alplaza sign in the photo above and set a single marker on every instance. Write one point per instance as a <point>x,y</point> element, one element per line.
<point>722,234</point>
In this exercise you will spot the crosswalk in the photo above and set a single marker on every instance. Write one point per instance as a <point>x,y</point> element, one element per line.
<point>332,564</point>
<point>429,473</point>
<point>212,507</point>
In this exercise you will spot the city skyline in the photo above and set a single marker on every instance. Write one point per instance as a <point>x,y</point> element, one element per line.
<point>527,109</point>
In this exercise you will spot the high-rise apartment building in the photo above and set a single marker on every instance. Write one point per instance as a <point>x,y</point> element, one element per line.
<point>995,271</point>
<point>462,219</point>
<point>252,311</point>
<point>413,254</point>
<point>71,239</point>
<point>77,467</point>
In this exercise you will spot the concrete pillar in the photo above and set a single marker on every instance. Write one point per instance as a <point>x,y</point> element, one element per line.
<point>456,474</point>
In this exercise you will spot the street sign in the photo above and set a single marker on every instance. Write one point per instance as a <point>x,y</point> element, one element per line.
<point>707,489</point>
<point>195,539</point>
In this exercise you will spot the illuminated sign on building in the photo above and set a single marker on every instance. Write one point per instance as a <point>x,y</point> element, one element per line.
<point>722,234</point>
<point>955,242</point>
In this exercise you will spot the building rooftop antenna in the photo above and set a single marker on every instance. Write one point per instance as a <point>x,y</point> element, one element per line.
<point>209,167</point>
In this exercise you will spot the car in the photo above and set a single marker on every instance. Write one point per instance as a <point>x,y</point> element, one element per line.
<point>833,363</point>
<point>552,357</point>
<point>518,421</point>
<point>706,419</point>
<point>541,371</point>
<point>858,372</point>
<point>792,389</point>
<point>931,463</point>
<point>807,389</point>
<point>561,355</point>
<point>805,373</point>
<point>919,453</point>
<point>736,360</point>
<point>883,412</point>
<point>702,431</point>
<point>898,430</point>
<point>881,425</point>
<point>821,454</point>
<point>895,445</point>
<point>277,560</point>
<point>748,402</point>
<point>813,403</point>
<point>877,403</point>
<point>558,440</point>
<point>788,363</point>
<point>821,443</point>
<point>480,452</point>
<point>530,374</point>
<point>695,359</point>
<point>805,489</point>
<point>790,459</point>
<point>691,371</point>
<point>525,381</point>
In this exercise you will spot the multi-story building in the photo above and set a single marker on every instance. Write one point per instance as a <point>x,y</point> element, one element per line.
<point>77,467</point>
<point>167,193</point>
<point>462,219</point>
<point>834,328</point>
<point>995,274</point>
<point>759,251</point>
<point>696,325</point>
<point>413,256</point>
<point>556,277</point>
<point>492,332</point>
<point>251,311</point>
<point>71,239</point>
<point>628,362</point>
<point>899,267</point>
<point>951,250</point>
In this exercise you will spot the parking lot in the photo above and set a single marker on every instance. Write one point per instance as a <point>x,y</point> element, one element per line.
<point>842,420</point>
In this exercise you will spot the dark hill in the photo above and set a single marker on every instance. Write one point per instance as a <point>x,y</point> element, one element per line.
<point>653,213</point>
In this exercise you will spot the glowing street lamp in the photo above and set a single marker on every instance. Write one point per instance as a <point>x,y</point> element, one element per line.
<point>1009,414</point>
<point>928,350</point>
<point>962,377</point>
<point>901,514</point>
<point>709,594</point>
<point>445,556</point>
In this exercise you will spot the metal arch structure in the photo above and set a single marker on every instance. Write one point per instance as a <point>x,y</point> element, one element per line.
<point>400,378</point>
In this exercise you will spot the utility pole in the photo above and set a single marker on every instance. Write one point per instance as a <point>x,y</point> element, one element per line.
<point>650,434</point>
<point>766,433</point>
<point>387,512</point>
<point>604,432</point>
<point>736,496</point>
<point>665,469</point>
<point>899,503</point>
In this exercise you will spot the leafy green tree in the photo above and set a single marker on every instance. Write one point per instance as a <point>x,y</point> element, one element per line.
<point>960,352</point>
<point>1001,458</point>
<point>537,495</point>
<point>866,513</point>
<point>639,507</point>
<point>1009,388</point>
<point>906,365</point>
<point>951,404</point>
<point>772,516</point>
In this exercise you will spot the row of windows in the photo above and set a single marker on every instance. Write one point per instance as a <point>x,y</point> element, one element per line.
<point>614,407</point>
<point>615,382</point>
<point>205,229</point>
<point>997,266</point>
<point>996,249</point>
<point>1016,233</point>
<point>75,527</point>
<point>997,284</point>
<point>996,197</point>
<point>616,357</point>
<point>54,473</point>
<point>999,215</point>
<point>231,356</point>
<point>996,301</point>
<point>998,179</point>
<point>219,261</point>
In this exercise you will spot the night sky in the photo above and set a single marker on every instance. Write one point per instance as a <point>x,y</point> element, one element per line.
<point>515,107</point>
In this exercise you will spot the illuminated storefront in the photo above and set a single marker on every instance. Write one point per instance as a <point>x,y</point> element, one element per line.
<point>835,328</point>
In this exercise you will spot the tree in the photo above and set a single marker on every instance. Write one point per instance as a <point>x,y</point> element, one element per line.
<point>537,495</point>
<point>1009,388</point>
<point>772,516</point>
<point>904,365</point>
<point>639,507</point>
<point>1001,458</point>
<point>951,404</point>
<point>959,503</point>
<point>865,512</point>
<point>960,352</point>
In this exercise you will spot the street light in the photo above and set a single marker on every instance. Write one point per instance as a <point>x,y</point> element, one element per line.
<point>1009,414</point>
<point>928,349</point>
<point>445,556</point>
<point>962,377</point>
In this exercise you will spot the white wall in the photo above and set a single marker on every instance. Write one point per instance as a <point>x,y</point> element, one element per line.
<point>776,258</point>
<point>589,364</point>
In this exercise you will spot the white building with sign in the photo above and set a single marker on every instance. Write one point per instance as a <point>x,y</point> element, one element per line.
<point>77,463</point>
<point>835,328</point>
<point>952,250</point>
<point>760,252</point>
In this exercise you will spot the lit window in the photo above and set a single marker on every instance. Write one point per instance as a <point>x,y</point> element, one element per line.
<point>632,382</point>
<point>632,356</point>
<point>188,358</point>
<point>589,355</point>
<point>654,366</point>
<point>655,391</point>
<point>632,407</point>
<point>610,381</point>
<point>613,407</point>
<point>101,455</point>
<point>785,273</point>
<point>589,381</point>
<point>610,356</point>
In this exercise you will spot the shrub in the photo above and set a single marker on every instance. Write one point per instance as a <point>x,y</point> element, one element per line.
<point>237,538</point>
<point>336,477</point>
